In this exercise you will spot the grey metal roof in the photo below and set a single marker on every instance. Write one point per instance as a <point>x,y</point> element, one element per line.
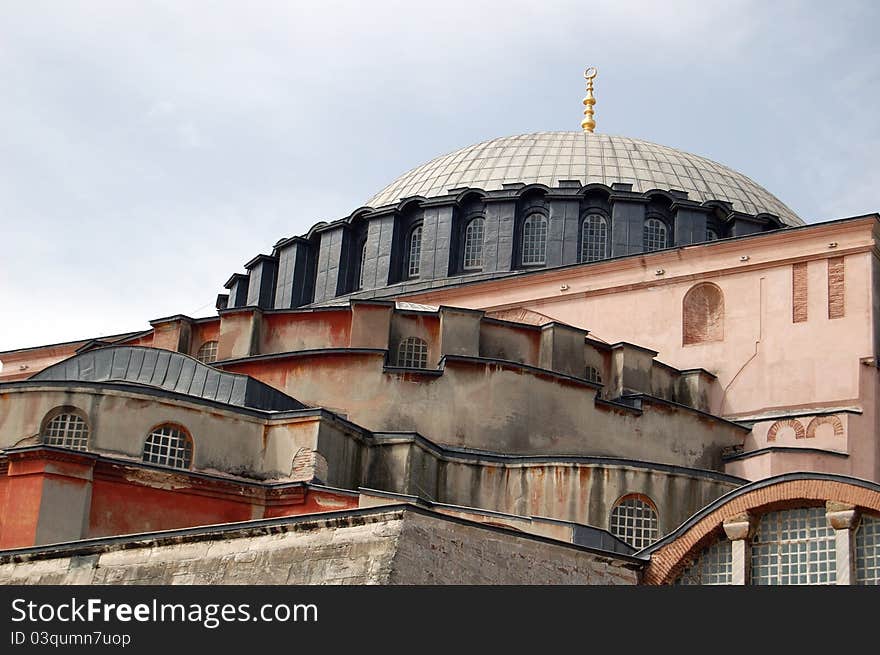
<point>171,371</point>
<point>548,157</point>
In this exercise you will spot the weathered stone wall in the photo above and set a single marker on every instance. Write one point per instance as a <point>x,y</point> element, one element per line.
<point>380,546</point>
<point>440,552</point>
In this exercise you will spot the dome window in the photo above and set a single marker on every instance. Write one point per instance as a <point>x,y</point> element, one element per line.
<point>473,245</point>
<point>655,235</point>
<point>634,520</point>
<point>414,252</point>
<point>711,235</point>
<point>412,353</point>
<point>594,238</point>
<point>66,428</point>
<point>168,445</point>
<point>534,240</point>
<point>361,264</point>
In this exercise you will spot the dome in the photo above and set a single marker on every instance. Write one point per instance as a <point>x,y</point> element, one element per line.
<point>548,157</point>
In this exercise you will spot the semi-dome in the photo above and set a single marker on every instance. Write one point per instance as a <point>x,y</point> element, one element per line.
<point>548,157</point>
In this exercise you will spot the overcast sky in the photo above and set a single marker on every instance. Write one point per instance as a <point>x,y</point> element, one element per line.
<point>149,149</point>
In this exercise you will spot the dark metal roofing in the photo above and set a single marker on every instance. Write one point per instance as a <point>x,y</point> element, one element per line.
<point>175,372</point>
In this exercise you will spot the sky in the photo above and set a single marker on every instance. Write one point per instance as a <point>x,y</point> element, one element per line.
<point>150,148</point>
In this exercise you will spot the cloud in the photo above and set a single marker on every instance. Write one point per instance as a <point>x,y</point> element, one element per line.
<point>150,149</point>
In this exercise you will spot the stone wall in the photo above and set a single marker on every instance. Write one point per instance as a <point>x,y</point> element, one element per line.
<point>385,545</point>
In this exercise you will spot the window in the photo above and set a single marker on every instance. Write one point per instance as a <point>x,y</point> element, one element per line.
<point>703,314</point>
<point>594,238</point>
<point>711,235</point>
<point>414,252</point>
<point>634,520</point>
<point>714,566</point>
<point>207,353</point>
<point>412,353</point>
<point>363,261</point>
<point>868,551</point>
<point>655,235</point>
<point>169,446</point>
<point>793,547</point>
<point>593,375</point>
<point>473,245</point>
<point>67,429</point>
<point>534,240</point>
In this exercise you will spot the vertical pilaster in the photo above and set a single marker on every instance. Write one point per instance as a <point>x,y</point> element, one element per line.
<point>844,519</point>
<point>739,530</point>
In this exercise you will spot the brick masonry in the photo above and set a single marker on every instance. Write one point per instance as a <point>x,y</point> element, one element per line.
<point>836,287</point>
<point>669,560</point>
<point>799,292</point>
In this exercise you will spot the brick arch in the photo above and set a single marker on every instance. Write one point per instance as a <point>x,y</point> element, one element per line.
<point>792,423</point>
<point>833,420</point>
<point>684,545</point>
<point>702,314</point>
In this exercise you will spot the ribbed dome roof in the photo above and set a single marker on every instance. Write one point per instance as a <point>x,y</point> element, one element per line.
<point>548,157</point>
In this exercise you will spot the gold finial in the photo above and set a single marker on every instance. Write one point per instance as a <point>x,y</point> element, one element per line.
<point>588,123</point>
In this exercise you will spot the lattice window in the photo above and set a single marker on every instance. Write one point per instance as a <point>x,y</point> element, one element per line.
<point>362,265</point>
<point>703,314</point>
<point>594,238</point>
<point>207,353</point>
<point>593,375</point>
<point>415,252</point>
<point>868,551</point>
<point>473,244</point>
<point>67,430</point>
<point>794,547</point>
<point>169,446</point>
<point>655,235</point>
<point>713,566</point>
<point>534,241</point>
<point>635,521</point>
<point>412,353</point>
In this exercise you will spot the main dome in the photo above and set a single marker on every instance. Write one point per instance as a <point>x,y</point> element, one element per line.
<point>548,157</point>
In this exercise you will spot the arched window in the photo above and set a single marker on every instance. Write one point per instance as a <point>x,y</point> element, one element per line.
<point>634,519</point>
<point>794,546</point>
<point>361,263</point>
<point>703,314</point>
<point>414,252</point>
<point>713,566</point>
<point>868,551</point>
<point>168,445</point>
<point>413,353</point>
<point>594,238</point>
<point>66,427</point>
<point>207,352</point>
<point>711,235</point>
<point>655,235</point>
<point>593,375</point>
<point>473,245</point>
<point>534,240</point>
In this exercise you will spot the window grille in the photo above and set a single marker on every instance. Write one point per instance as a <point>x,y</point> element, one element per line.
<point>168,446</point>
<point>794,547</point>
<point>534,241</point>
<point>412,353</point>
<point>67,430</point>
<point>868,551</point>
<point>655,235</point>
<point>634,521</point>
<point>207,353</point>
<point>415,252</point>
<point>594,238</point>
<point>473,244</point>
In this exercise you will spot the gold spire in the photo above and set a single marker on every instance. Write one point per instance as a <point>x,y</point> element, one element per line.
<point>588,123</point>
